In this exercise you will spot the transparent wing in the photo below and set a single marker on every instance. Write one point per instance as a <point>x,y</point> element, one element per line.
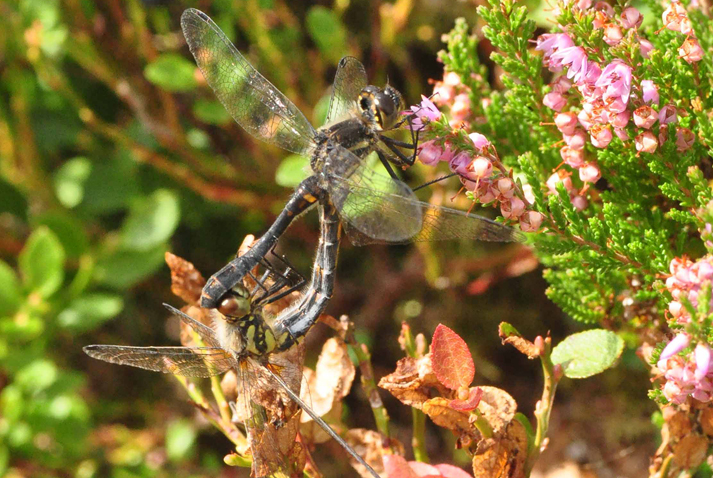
<point>377,208</point>
<point>255,104</point>
<point>185,361</point>
<point>349,80</point>
<point>204,332</point>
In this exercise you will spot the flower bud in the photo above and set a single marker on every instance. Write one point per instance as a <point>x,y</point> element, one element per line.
<point>566,122</point>
<point>530,221</point>
<point>589,173</point>
<point>430,153</point>
<point>559,176</point>
<point>612,34</point>
<point>631,18</point>
<point>646,142</point>
<point>512,208</point>
<point>460,109</point>
<point>645,117</point>
<point>684,139</point>
<point>691,50</point>
<point>554,101</point>
<point>505,188</point>
<point>649,91</point>
<point>645,47</point>
<point>600,135</point>
<point>580,203</point>
<point>668,115</point>
<point>572,157</point>
<point>576,140</point>
<point>481,167</point>
<point>479,141</point>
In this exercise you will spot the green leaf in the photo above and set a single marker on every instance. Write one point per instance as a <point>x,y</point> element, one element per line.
<point>588,353</point>
<point>172,72</point>
<point>10,293</point>
<point>211,112</point>
<point>69,181</point>
<point>37,376</point>
<point>292,170</point>
<point>151,221</point>
<point>180,439</point>
<point>111,185</point>
<point>42,262</point>
<point>11,402</point>
<point>328,33</point>
<point>123,269</point>
<point>89,311</point>
<point>12,200</point>
<point>69,231</point>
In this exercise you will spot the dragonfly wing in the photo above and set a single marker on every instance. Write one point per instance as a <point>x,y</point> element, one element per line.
<point>255,104</point>
<point>206,333</point>
<point>349,80</point>
<point>185,361</point>
<point>379,209</point>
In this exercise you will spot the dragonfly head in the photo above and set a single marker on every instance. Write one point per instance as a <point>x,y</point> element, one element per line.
<point>235,304</point>
<point>380,107</point>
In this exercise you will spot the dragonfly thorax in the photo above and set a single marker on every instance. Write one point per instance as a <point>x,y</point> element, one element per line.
<point>379,107</point>
<point>250,336</point>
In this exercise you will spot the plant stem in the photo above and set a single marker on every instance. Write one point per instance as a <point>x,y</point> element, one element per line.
<point>543,408</point>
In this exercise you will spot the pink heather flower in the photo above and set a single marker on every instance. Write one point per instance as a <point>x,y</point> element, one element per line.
<point>460,109</point>
<point>650,92</point>
<point>620,120</point>
<point>668,114</point>
<point>580,203</point>
<point>550,43</point>
<point>479,141</point>
<point>585,119</point>
<point>691,50</point>
<point>566,122</point>
<point>684,139</point>
<point>601,136</point>
<point>576,140</point>
<point>676,308</point>
<point>576,58</point>
<point>442,93</point>
<point>605,8</point>
<point>459,164</point>
<point>594,71</point>
<point>561,85</point>
<point>616,77</point>
<point>612,34</point>
<point>423,114</point>
<point>505,188</point>
<point>589,173</point>
<point>621,133</point>
<point>678,343</point>
<point>645,117</point>
<point>482,167</point>
<point>513,208</point>
<point>559,176</point>
<point>530,221</point>
<point>572,157</point>
<point>646,142</point>
<point>554,101</point>
<point>528,193</point>
<point>675,18</point>
<point>430,153</point>
<point>703,360</point>
<point>645,47</point>
<point>631,18</point>
<point>451,79</point>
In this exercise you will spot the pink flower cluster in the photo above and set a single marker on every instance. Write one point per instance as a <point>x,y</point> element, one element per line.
<point>675,18</point>
<point>692,373</point>
<point>481,174</point>
<point>452,92</point>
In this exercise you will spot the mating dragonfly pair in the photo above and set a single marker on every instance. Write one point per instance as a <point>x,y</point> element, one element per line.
<point>372,208</point>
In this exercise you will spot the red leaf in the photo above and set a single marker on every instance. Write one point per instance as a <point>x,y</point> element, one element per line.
<point>423,469</point>
<point>450,471</point>
<point>471,403</point>
<point>396,466</point>
<point>451,359</point>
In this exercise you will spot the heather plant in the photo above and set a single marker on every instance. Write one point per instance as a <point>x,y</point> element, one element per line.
<point>598,146</point>
<point>589,131</point>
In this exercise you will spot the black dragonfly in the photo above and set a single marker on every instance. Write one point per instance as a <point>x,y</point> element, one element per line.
<point>373,207</point>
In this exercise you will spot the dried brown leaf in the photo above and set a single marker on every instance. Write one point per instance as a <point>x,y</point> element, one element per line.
<point>497,407</point>
<point>504,455</point>
<point>413,382</point>
<point>509,335</point>
<point>186,282</point>
<point>438,409</point>
<point>372,446</point>
<point>690,451</point>
<point>706,421</point>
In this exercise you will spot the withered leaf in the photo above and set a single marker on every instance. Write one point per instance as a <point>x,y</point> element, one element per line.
<point>452,362</point>
<point>471,403</point>
<point>186,282</point>
<point>504,455</point>
<point>509,335</point>
<point>438,409</point>
<point>371,446</point>
<point>690,451</point>
<point>413,382</point>
<point>497,407</point>
<point>706,421</point>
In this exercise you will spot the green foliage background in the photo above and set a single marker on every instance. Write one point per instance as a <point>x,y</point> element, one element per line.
<point>112,151</point>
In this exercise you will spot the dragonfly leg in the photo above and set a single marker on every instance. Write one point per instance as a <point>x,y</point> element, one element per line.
<point>304,197</point>
<point>385,161</point>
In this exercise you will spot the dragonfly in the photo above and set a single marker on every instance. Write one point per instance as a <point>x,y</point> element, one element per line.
<point>373,207</point>
<point>245,342</point>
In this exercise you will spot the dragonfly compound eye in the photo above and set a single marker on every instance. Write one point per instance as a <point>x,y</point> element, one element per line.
<point>232,306</point>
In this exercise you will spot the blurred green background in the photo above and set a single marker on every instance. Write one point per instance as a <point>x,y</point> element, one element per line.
<point>113,150</point>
